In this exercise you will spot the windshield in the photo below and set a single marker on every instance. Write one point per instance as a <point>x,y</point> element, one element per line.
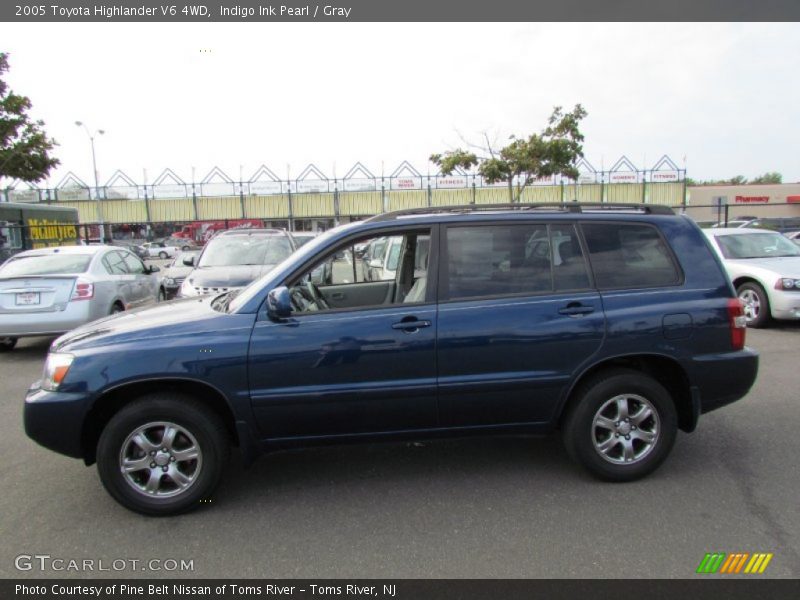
<point>308,250</point>
<point>756,245</point>
<point>228,251</point>
<point>302,240</point>
<point>51,264</point>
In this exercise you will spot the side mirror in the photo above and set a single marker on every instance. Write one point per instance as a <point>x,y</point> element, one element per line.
<point>188,261</point>
<point>154,269</point>
<point>279,303</point>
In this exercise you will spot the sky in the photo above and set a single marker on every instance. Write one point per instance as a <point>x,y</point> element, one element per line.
<point>239,95</point>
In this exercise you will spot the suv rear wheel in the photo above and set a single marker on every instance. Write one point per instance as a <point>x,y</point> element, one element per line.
<point>162,454</point>
<point>622,425</point>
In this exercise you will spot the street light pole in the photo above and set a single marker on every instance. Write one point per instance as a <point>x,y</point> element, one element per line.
<point>96,178</point>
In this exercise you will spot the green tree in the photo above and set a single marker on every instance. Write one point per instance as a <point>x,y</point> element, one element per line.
<point>771,177</point>
<point>738,180</point>
<point>554,151</point>
<point>25,149</point>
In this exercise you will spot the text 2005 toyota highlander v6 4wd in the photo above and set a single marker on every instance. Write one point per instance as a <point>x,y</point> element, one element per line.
<point>614,324</point>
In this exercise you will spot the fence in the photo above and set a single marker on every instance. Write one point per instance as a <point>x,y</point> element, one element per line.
<point>359,193</point>
<point>342,204</point>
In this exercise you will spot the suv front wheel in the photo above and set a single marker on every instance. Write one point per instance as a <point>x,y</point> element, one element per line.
<point>162,454</point>
<point>622,425</point>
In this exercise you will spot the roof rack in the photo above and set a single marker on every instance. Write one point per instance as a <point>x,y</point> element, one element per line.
<point>568,207</point>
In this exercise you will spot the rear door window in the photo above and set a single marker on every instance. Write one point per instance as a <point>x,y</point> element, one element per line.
<point>114,264</point>
<point>134,265</point>
<point>625,255</point>
<point>499,260</point>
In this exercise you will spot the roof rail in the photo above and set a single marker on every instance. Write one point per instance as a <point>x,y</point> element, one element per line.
<point>569,207</point>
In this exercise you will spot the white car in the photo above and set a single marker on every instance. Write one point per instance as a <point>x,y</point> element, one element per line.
<point>160,250</point>
<point>764,267</point>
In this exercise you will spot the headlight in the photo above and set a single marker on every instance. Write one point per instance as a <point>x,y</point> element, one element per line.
<point>55,369</point>
<point>788,283</point>
<point>169,281</point>
<point>187,289</point>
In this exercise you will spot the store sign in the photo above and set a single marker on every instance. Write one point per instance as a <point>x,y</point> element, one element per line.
<point>455,181</point>
<point>587,178</point>
<point>659,176</point>
<point>406,183</point>
<point>306,186</point>
<point>544,181</point>
<point>169,191</point>
<point>265,187</point>
<point>73,193</point>
<point>23,195</point>
<point>623,177</point>
<point>359,185</point>
<point>751,199</point>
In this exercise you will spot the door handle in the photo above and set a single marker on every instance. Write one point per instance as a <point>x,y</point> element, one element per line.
<point>411,326</point>
<point>337,296</point>
<point>576,309</point>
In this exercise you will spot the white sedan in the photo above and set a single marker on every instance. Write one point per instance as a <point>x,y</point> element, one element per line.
<point>764,267</point>
<point>159,250</point>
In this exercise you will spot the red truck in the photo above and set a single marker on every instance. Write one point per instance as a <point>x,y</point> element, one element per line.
<point>201,231</point>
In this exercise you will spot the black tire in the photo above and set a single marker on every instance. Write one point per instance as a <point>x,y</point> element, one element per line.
<point>162,295</point>
<point>116,308</point>
<point>202,424</point>
<point>185,248</point>
<point>163,255</point>
<point>583,438</point>
<point>7,344</point>
<point>757,311</point>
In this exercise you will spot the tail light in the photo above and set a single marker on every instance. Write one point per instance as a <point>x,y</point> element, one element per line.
<point>83,291</point>
<point>737,322</point>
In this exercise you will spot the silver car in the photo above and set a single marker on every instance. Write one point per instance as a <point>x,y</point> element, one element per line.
<point>764,267</point>
<point>53,290</point>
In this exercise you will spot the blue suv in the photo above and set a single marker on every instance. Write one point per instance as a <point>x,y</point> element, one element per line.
<point>613,324</point>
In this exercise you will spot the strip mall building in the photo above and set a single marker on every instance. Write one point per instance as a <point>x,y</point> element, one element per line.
<point>779,200</point>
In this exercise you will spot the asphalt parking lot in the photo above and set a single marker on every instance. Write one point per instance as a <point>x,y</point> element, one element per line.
<point>502,507</point>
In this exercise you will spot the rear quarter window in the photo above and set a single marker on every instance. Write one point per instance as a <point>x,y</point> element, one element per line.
<point>625,255</point>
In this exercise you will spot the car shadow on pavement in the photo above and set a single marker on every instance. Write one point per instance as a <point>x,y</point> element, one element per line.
<point>397,465</point>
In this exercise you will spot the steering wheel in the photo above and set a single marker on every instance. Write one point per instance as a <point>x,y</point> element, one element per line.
<point>315,294</point>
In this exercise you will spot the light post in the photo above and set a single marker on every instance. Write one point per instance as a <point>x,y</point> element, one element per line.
<point>96,181</point>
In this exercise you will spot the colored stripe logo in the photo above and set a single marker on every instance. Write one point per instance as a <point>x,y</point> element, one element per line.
<point>734,563</point>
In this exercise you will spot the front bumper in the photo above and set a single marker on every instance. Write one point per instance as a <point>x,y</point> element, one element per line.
<point>55,420</point>
<point>785,305</point>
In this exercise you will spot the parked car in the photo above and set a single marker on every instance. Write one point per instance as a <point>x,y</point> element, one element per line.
<point>137,249</point>
<point>235,257</point>
<point>373,252</point>
<point>182,244</point>
<point>174,274</point>
<point>779,224</point>
<point>383,265</point>
<point>764,267</point>
<point>52,290</point>
<point>631,335</point>
<point>159,250</point>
